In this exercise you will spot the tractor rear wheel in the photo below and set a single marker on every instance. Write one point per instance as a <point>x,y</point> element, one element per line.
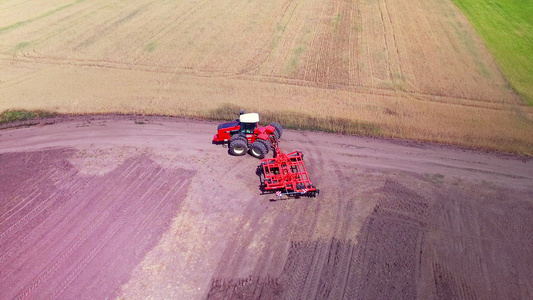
<point>278,127</point>
<point>258,150</point>
<point>266,143</point>
<point>238,147</point>
<point>276,135</point>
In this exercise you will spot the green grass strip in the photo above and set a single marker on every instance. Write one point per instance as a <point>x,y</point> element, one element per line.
<point>23,115</point>
<point>506,26</point>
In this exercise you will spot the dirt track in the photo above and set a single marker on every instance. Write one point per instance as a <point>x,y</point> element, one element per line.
<point>137,208</point>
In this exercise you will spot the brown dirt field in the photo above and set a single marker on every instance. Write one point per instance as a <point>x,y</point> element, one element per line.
<point>68,235</point>
<point>137,207</point>
<point>412,69</point>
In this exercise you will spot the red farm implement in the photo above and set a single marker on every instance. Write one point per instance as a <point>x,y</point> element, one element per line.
<point>285,174</point>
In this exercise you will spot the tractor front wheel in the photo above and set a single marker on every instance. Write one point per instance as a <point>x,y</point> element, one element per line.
<point>258,150</point>
<point>238,147</point>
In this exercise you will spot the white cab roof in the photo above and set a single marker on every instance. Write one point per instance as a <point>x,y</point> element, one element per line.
<point>249,118</point>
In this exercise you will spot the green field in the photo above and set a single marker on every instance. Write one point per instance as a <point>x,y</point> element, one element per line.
<point>507,28</point>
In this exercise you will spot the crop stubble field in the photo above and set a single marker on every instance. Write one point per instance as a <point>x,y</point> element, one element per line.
<point>411,69</point>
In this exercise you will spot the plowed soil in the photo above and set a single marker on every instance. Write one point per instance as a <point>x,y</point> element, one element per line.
<point>131,207</point>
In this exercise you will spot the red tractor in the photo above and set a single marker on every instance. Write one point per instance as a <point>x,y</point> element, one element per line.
<point>245,135</point>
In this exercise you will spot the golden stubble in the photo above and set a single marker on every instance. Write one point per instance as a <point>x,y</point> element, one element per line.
<point>404,69</point>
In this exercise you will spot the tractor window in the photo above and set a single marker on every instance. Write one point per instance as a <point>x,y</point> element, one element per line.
<point>248,128</point>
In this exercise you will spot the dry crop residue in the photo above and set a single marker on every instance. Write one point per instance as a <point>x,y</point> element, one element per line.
<point>412,69</point>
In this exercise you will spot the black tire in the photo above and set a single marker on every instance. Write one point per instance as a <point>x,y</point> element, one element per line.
<point>259,171</point>
<point>258,150</point>
<point>279,129</point>
<point>238,147</point>
<point>276,134</point>
<point>267,144</point>
<point>238,136</point>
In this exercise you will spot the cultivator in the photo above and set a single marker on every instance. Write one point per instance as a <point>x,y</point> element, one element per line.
<point>285,174</point>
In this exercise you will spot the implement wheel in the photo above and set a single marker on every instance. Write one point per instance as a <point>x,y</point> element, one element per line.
<point>238,147</point>
<point>258,150</point>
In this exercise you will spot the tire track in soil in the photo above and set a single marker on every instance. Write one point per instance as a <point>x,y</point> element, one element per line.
<point>284,224</point>
<point>313,269</point>
<point>24,183</point>
<point>37,226</point>
<point>12,184</point>
<point>233,258</point>
<point>248,288</point>
<point>230,257</point>
<point>333,278</point>
<point>455,256</point>
<point>328,261</point>
<point>135,228</point>
<point>142,230</point>
<point>24,202</point>
<point>53,232</point>
<point>424,238</point>
<point>331,261</point>
<point>447,286</point>
<point>100,231</point>
<point>76,244</point>
<point>307,218</point>
<point>396,223</point>
<point>338,268</point>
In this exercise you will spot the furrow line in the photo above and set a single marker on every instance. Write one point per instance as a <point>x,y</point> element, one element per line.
<point>52,267</point>
<point>317,265</point>
<point>28,185</point>
<point>123,219</point>
<point>34,232</point>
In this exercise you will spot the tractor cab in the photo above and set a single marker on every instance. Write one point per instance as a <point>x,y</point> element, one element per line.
<point>248,122</point>
<point>245,125</point>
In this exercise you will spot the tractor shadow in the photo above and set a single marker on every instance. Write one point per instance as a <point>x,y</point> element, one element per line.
<point>261,178</point>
